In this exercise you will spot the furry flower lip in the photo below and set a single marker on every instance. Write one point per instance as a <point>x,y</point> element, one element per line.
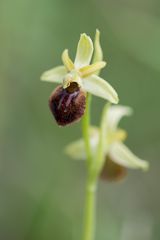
<point>67,105</point>
<point>116,155</point>
<point>76,79</point>
<point>112,171</point>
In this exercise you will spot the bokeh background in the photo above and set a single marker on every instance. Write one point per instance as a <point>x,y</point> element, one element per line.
<point>42,190</point>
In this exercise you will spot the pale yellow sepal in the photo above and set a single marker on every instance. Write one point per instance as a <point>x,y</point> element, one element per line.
<point>115,114</point>
<point>84,51</point>
<point>123,156</point>
<point>76,150</point>
<point>101,88</point>
<point>98,53</point>
<point>91,69</point>
<point>67,61</point>
<point>55,75</point>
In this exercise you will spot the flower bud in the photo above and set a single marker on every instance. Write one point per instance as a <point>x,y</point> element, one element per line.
<point>67,105</point>
<point>112,171</point>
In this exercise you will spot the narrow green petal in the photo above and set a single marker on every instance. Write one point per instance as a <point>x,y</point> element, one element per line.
<point>76,149</point>
<point>120,154</point>
<point>101,88</point>
<point>98,53</point>
<point>115,114</point>
<point>84,51</point>
<point>54,75</point>
<point>67,61</point>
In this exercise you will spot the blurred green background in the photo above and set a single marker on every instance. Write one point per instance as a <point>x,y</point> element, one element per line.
<point>41,190</point>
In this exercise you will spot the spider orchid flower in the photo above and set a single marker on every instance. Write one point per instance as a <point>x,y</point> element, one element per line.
<point>116,157</point>
<point>68,100</point>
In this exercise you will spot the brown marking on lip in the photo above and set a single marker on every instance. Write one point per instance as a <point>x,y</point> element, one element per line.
<point>67,105</point>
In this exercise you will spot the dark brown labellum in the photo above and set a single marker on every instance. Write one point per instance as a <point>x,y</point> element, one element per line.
<point>112,171</point>
<point>67,105</point>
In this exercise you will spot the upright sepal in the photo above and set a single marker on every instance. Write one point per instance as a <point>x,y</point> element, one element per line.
<point>115,114</point>
<point>84,51</point>
<point>98,53</point>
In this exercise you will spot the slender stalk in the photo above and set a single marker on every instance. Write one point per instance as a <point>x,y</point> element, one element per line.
<point>89,214</point>
<point>99,158</point>
<point>85,130</point>
<point>89,218</point>
<point>92,173</point>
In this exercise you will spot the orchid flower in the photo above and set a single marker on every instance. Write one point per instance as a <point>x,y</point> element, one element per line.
<point>116,155</point>
<point>67,102</point>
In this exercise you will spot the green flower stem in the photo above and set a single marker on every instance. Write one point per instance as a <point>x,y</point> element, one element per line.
<point>99,158</point>
<point>85,130</point>
<point>89,214</point>
<point>89,218</point>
